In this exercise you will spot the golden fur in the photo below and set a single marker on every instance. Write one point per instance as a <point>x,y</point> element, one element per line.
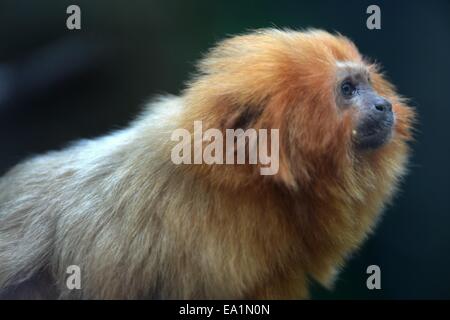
<point>141,227</point>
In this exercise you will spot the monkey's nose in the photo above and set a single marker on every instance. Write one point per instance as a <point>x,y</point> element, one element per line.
<point>383,105</point>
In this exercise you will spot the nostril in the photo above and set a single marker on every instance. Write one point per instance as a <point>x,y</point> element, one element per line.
<point>379,107</point>
<point>384,106</point>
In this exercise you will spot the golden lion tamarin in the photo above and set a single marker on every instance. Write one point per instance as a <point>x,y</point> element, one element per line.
<point>140,226</point>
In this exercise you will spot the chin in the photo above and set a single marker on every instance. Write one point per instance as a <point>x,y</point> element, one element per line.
<point>375,140</point>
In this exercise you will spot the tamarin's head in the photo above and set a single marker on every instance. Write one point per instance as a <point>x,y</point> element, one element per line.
<point>333,108</point>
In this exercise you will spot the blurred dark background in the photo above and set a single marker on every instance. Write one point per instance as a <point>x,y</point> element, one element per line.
<point>57,85</point>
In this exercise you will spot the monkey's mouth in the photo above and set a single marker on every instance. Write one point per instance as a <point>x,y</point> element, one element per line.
<point>373,134</point>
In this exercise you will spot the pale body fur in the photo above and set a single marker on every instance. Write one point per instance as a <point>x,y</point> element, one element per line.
<point>102,205</point>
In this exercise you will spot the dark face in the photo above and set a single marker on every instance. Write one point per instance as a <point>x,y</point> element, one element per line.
<point>375,119</point>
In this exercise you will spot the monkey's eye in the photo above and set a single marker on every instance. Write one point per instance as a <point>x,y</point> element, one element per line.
<point>348,89</point>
